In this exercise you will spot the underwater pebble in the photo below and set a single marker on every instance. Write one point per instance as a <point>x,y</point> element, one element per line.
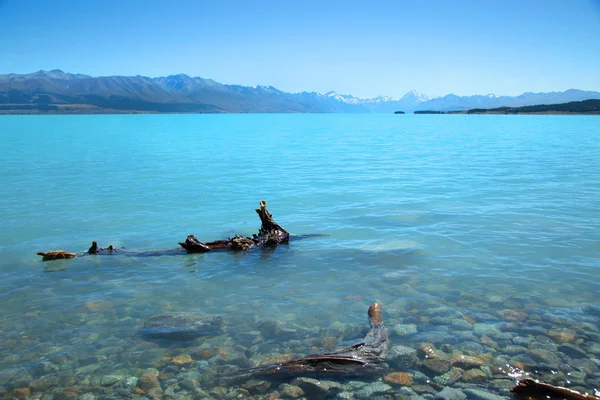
<point>43,384</point>
<point>479,394</point>
<point>522,340</point>
<point>503,384</point>
<point>316,389</point>
<point>131,382</point>
<point>510,350</point>
<point>449,393</point>
<point>585,365</point>
<point>255,386</point>
<point>108,380</point>
<point>571,350</point>
<point>485,330</point>
<point>403,329</point>
<point>148,381</point>
<point>373,389</point>
<point>291,391</point>
<point>544,356</point>
<point>465,362</point>
<point>461,324</point>
<point>474,375</point>
<point>402,358</point>
<point>399,378</point>
<point>88,369</point>
<point>562,335</point>
<point>592,310</point>
<point>449,377</point>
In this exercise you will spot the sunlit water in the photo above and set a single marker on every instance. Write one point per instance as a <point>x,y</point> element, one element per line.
<point>458,225</point>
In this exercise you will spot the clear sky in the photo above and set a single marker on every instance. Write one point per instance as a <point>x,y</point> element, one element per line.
<point>364,48</point>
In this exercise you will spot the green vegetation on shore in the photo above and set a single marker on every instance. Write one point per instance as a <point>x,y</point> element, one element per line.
<point>574,107</point>
<point>585,107</point>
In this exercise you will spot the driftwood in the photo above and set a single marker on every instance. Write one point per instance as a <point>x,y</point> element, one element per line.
<point>94,249</point>
<point>362,359</point>
<point>528,389</point>
<point>56,255</point>
<point>269,234</point>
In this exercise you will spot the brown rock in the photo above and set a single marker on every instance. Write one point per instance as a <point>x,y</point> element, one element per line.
<point>255,386</point>
<point>486,357</point>
<point>427,350</point>
<point>562,335</point>
<point>207,354</point>
<point>486,340</point>
<point>272,396</point>
<point>138,391</point>
<point>329,342</point>
<point>517,365</point>
<point>450,377</point>
<point>156,393</point>
<point>181,359</point>
<point>465,362</point>
<point>292,391</point>
<point>148,381</point>
<point>423,389</point>
<point>96,306</point>
<point>21,393</point>
<point>475,375</point>
<point>512,315</point>
<point>399,378</point>
<point>437,365</point>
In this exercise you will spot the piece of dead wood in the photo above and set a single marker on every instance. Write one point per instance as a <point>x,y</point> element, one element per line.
<point>529,389</point>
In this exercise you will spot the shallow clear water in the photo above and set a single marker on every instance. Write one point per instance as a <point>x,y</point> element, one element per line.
<point>467,228</point>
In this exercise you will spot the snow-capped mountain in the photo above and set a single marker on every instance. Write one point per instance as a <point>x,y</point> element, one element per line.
<point>53,90</point>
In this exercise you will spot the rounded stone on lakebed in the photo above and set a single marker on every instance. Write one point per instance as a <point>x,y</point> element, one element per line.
<point>181,359</point>
<point>182,326</point>
<point>399,378</point>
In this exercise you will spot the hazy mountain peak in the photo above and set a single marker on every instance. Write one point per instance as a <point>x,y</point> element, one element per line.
<point>268,89</point>
<point>417,97</point>
<point>55,74</point>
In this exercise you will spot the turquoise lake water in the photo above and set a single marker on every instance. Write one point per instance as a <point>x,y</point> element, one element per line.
<point>477,234</point>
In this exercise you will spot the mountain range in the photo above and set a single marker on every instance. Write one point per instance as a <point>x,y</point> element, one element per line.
<point>61,92</point>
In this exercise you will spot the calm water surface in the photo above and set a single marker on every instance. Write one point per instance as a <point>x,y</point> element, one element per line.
<point>478,234</point>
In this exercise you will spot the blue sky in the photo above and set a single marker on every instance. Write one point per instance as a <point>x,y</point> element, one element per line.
<point>364,48</point>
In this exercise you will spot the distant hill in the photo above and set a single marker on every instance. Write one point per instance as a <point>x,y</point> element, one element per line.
<point>573,107</point>
<point>61,92</point>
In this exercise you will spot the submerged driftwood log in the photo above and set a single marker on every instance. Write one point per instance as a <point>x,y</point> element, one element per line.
<point>528,389</point>
<point>269,234</point>
<point>363,359</point>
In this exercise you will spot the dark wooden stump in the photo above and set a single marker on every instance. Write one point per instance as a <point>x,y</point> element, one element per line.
<point>269,234</point>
